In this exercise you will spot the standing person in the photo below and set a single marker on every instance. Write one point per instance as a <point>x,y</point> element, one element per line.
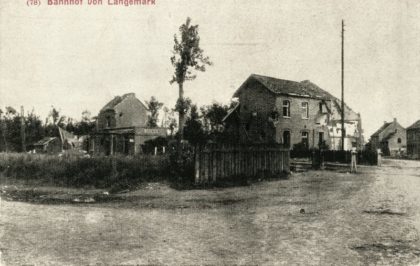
<point>379,157</point>
<point>353,160</point>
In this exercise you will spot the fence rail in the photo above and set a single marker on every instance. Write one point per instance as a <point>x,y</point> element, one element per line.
<point>365,157</point>
<point>214,162</point>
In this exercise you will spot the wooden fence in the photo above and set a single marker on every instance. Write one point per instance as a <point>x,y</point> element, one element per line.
<point>214,162</point>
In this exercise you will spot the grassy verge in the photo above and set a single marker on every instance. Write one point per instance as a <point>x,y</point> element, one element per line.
<point>73,171</point>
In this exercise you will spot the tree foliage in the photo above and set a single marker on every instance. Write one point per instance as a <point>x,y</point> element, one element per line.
<point>36,129</point>
<point>194,131</point>
<point>187,55</point>
<point>154,106</point>
<point>187,59</point>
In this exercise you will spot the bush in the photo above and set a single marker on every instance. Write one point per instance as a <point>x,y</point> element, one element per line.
<point>75,171</point>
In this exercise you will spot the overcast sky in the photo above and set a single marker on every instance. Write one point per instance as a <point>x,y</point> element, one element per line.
<point>79,57</point>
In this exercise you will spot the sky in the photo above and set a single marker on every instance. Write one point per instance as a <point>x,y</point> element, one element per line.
<point>78,58</point>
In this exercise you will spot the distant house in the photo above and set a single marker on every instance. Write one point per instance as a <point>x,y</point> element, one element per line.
<point>48,145</point>
<point>413,140</point>
<point>121,127</point>
<point>290,112</point>
<point>391,138</point>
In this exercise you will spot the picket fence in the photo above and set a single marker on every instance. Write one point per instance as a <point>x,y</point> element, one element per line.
<point>215,161</point>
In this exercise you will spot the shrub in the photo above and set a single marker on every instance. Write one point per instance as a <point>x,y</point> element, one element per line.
<point>76,171</point>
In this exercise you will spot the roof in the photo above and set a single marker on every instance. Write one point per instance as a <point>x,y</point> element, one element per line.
<point>349,114</point>
<point>388,136</point>
<point>416,125</point>
<point>117,100</point>
<point>44,141</point>
<point>230,112</point>
<point>288,87</point>
<point>382,128</point>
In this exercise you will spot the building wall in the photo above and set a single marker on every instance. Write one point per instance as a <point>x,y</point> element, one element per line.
<point>256,105</point>
<point>413,143</point>
<point>398,142</point>
<point>131,113</point>
<point>128,113</point>
<point>262,120</point>
<point>296,124</point>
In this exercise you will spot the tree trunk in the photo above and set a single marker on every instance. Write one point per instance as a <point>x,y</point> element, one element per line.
<point>181,120</point>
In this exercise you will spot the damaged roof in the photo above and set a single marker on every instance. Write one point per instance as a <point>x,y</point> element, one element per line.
<point>44,141</point>
<point>117,100</point>
<point>293,88</point>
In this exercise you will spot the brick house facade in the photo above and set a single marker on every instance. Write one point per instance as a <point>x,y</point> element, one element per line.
<point>413,140</point>
<point>391,138</point>
<point>121,127</point>
<point>284,111</point>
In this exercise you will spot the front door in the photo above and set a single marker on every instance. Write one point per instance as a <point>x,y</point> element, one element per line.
<point>286,138</point>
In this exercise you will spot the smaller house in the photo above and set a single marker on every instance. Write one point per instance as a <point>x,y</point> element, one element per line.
<point>413,140</point>
<point>121,127</point>
<point>48,145</point>
<point>391,138</point>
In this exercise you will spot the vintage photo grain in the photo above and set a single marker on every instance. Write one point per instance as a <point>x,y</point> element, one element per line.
<point>222,132</point>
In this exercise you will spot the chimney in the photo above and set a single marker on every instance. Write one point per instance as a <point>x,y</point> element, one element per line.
<point>395,121</point>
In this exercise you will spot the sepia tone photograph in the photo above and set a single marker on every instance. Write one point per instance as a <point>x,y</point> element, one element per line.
<point>222,132</point>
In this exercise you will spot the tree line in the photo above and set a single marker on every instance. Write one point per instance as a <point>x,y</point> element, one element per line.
<point>201,123</point>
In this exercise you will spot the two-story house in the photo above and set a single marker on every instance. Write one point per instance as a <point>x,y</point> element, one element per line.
<point>289,112</point>
<point>121,127</point>
<point>413,140</point>
<point>391,138</point>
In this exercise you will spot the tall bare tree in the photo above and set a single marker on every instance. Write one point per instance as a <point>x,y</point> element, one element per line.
<point>187,59</point>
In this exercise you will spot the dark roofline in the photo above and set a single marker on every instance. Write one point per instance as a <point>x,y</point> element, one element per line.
<point>257,78</point>
<point>230,112</point>
<point>118,100</point>
<point>382,128</point>
<point>415,125</point>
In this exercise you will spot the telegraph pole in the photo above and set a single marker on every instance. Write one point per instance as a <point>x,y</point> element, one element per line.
<point>343,131</point>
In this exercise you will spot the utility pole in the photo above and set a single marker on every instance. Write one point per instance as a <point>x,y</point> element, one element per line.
<point>343,130</point>
<point>22,129</point>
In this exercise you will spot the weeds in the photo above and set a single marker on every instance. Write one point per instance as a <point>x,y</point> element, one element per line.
<point>74,171</point>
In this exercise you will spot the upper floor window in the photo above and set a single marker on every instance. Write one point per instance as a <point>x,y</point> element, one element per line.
<point>108,121</point>
<point>286,108</point>
<point>305,110</point>
<point>399,140</point>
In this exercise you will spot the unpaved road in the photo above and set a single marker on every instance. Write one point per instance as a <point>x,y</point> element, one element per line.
<point>370,218</point>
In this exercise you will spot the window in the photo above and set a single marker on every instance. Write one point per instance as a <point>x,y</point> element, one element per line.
<point>305,139</point>
<point>286,108</point>
<point>320,138</point>
<point>108,121</point>
<point>305,110</point>
<point>320,107</point>
<point>399,140</point>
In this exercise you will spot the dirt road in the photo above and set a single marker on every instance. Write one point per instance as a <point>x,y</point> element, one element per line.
<point>313,218</point>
